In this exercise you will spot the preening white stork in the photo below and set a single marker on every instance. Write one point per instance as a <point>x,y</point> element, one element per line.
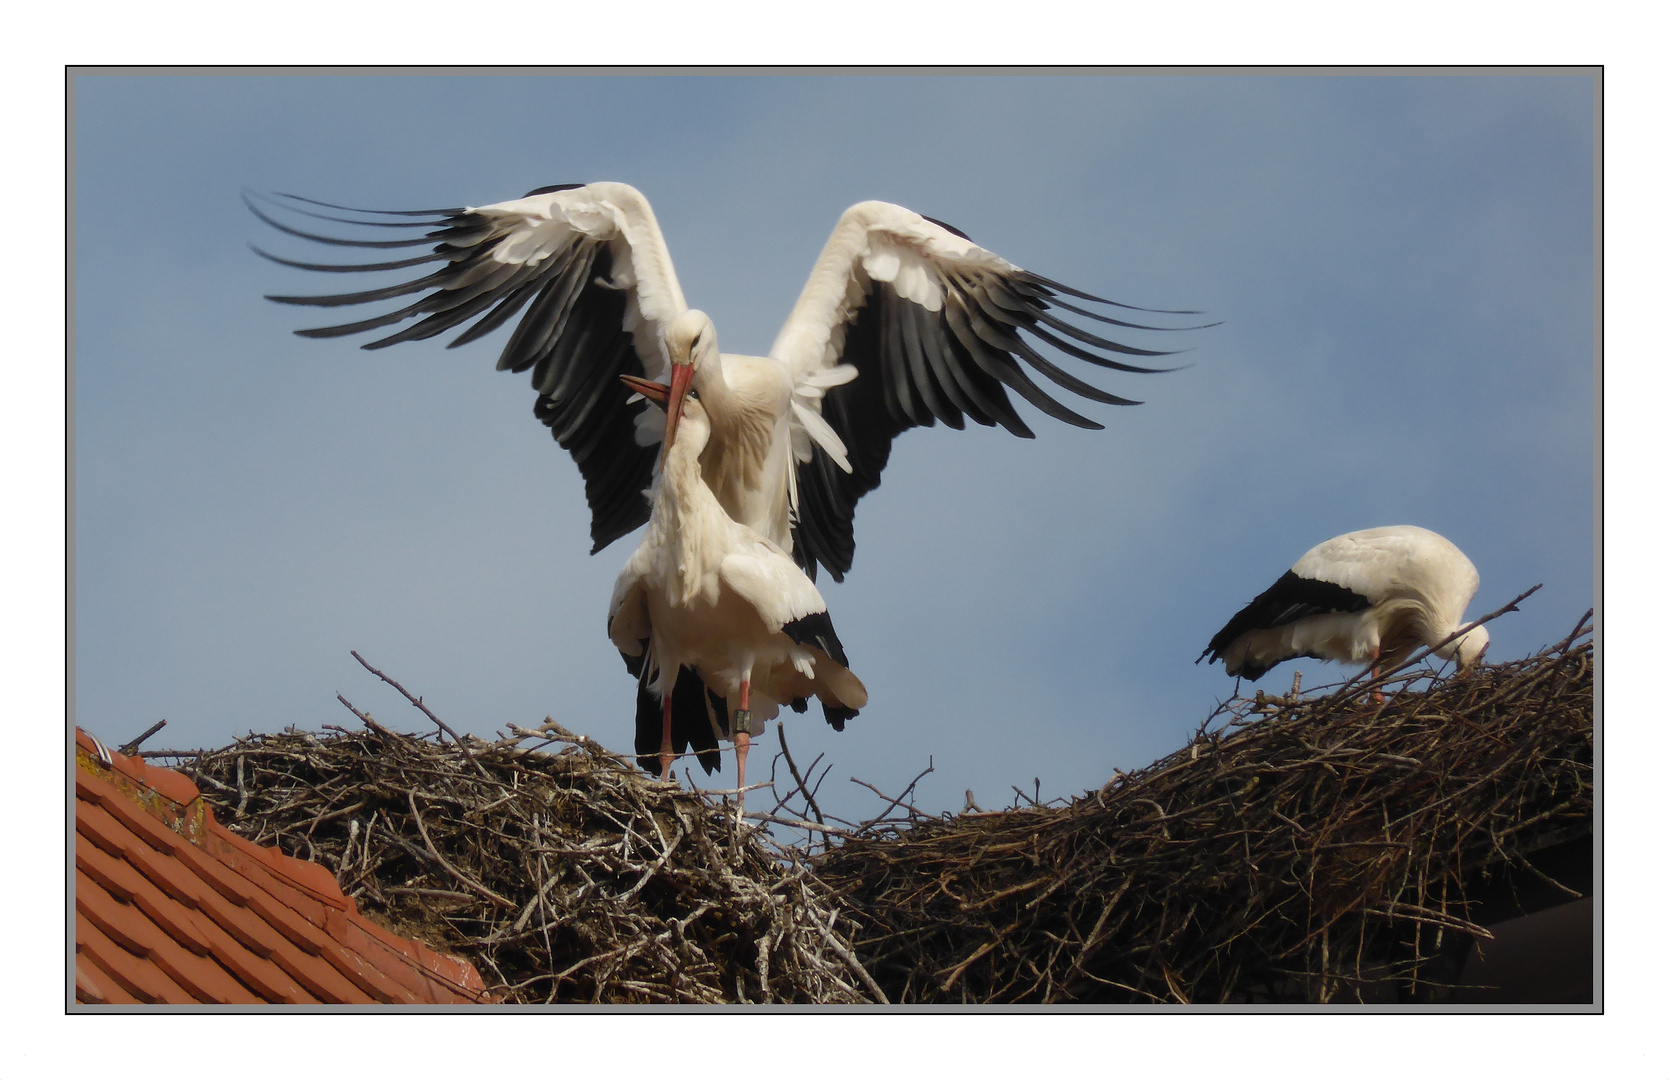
<point>705,595</point>
<point>904,322</point>
<point>1373,597</point>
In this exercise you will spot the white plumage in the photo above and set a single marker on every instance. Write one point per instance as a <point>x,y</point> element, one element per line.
<point>1373,597</point>
<point>903,322</point>
<point>707,594</point>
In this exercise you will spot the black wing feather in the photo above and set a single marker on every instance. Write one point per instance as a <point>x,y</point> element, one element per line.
<point>571,335</point>
<point>344,268</point>
<point>1291,598</point>
<point>447,212</point>
<point>463,224</point>
<point>816,631</point>
<point>917,368</point>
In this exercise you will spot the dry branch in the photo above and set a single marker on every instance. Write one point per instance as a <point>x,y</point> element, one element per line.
<point>565,877</point>
<point>1298,849</point>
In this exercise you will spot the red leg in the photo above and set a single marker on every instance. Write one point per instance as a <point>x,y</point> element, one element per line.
<point>743,719</point>
<point>666,736</point>
<point>1378,698</point>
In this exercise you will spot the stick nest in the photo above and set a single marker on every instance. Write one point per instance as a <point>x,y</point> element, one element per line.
<point>1298,849</point>
<point>564,876</point>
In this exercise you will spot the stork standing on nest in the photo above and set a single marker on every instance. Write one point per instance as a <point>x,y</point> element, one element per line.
<point>708,597</point>
<point>1373,597</point>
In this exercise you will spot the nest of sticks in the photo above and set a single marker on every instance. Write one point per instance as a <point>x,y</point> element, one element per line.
<point>559,869</point>
<point>1301,848</point>
<point>1309,847</point>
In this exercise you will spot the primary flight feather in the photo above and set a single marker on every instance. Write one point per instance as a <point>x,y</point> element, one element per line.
<point>904,322</point>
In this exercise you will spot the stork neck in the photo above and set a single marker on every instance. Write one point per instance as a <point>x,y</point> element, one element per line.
<point>690,522</point>
<point>709,382</point>
<point>682,494</point>
<point>681,473</point>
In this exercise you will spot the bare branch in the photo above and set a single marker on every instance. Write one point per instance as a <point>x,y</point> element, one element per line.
<point>131,747</point>
<point>426,710</point>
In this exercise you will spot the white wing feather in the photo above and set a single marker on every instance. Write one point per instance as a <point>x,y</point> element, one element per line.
<point>1395,561</point>
<point>872,242</point>
<point>628,607</point>
<point>540,226</point>
<point>763,575</point>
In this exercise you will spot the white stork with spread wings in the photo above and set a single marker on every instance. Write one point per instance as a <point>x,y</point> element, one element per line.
<point>904,322</point>
<point>708,597</point>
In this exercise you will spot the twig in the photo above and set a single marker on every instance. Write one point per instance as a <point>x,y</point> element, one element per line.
<point>797,823</point>
<point>426,710</point>
<point>852,962</point>
<point>799,782</point>
<point>364,718</point>
<point>131,747</point>
<point>905,794</point>
<point>1387,676</point>
<point>448,867</point>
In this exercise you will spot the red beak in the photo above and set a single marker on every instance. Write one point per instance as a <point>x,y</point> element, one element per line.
<point>654,391</point>
<point>672,398</point>
<point>681,376</point>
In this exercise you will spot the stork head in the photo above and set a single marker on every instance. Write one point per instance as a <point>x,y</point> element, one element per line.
<point>691,341</point>
<point>1467,649</point>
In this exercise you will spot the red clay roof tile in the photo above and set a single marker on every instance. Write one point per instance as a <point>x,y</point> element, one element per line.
<point>270,928</point>
<point>172,907</point>
<point>96,986</point>
<point>125,924</point>
<point>141,979</point>
<point>239,949</point>
<point>126,884</point>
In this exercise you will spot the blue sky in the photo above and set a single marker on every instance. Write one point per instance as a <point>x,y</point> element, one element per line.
<point>1403,267</point>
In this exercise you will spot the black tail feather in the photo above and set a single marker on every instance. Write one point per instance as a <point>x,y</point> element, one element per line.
<point>837,715</point>
<point>817,632</point>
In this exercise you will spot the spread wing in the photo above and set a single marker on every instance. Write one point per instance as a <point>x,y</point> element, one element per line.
<point>590,268</point>
<point>937,329</point>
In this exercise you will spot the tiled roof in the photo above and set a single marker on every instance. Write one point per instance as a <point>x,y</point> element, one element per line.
<point>172,907</point>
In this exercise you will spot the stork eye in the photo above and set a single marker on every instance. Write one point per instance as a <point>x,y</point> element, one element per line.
<point>694,395</point>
